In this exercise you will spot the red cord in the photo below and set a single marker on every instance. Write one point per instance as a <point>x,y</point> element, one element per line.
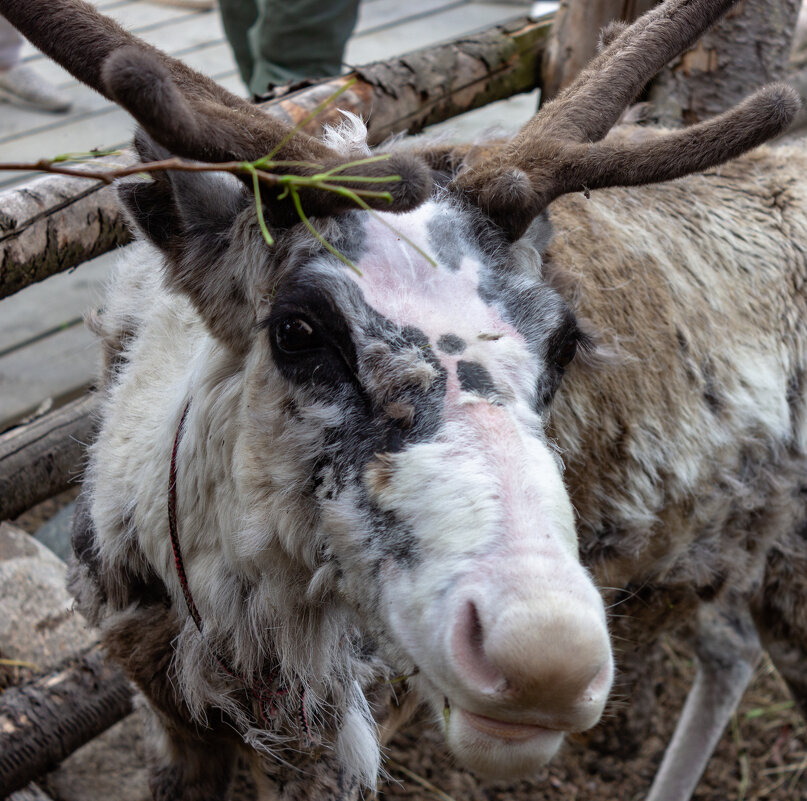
<point>267,700</point>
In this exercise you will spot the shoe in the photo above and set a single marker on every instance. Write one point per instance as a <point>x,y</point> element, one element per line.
<point>200,5</point>
<point>23,86</point>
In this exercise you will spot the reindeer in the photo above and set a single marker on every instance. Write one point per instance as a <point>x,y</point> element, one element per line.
<point>319,496</point>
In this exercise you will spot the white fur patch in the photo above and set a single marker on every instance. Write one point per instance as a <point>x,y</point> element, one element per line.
<point>357,743</point>
<point>349,137</point>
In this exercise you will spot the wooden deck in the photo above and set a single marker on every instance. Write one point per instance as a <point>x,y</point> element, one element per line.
<point>45,351</point>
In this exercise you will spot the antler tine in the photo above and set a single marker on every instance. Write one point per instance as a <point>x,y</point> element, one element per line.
<point>560,149</point>
<point>663,156</point>
<point>187,112</point>
<point>587,109</point>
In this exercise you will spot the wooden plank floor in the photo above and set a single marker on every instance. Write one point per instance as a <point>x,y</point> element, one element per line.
<point>44,349</point>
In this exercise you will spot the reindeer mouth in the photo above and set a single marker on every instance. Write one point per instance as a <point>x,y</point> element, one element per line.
<point>506,730</point>
<point>498,748</point>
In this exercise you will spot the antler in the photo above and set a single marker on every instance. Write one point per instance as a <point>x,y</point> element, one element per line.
<point>560,149</point>
<point>188,113</point>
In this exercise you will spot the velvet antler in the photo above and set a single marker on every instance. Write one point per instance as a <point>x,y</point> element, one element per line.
<point>189,114</point>
<point>560,149</point>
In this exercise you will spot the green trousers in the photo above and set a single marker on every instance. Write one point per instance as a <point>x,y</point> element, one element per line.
<point>278,41</point>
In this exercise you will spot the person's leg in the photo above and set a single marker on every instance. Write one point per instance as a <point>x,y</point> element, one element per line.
<point>11,42</point>
<point>294,39</point>
<point>237,17</point>
<point>21,85</point>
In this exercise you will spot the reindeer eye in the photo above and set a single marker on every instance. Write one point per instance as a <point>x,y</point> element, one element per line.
<point>567,352</point>
<point>296,335</point>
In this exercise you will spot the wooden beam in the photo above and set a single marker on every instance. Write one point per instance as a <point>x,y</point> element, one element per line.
<point>45,720</point>
<point>42,458</point>
<point>30,793</point>
<point>55,223</point>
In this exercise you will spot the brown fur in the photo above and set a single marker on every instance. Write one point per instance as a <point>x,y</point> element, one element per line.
<point>736,525</point>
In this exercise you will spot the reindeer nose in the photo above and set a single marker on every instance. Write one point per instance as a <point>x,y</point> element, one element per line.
<point>551,657</point>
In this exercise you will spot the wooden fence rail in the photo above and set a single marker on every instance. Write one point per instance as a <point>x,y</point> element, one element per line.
<point>40,459</point>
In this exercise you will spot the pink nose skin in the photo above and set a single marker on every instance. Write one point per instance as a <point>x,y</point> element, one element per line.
<point>546,663</point>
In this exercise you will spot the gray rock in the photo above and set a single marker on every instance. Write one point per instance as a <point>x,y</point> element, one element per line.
<point>55,533</point>
<point>37,621</point>
<point>38,625</point>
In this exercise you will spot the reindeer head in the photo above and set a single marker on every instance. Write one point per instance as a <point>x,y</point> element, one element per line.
<point>385,429</point>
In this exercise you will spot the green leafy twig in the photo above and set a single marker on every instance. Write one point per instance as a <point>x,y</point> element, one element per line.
<point>256,189</point>
<point>295,199</point>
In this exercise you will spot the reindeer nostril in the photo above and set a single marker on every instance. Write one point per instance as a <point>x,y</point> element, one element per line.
<point>468,649</point>
<point>476,638</point>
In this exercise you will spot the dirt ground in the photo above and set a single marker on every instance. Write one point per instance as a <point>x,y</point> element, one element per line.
<point>761,757</point>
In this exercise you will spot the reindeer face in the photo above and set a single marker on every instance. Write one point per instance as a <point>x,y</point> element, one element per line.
<point>411,403</point>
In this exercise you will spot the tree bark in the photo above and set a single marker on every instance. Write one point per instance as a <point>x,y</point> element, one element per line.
<point>30,793</point>
<point>747,49</point>
<point>45,720</point>
<point>575,35</point>
<point>56,223</point>
<point>42,458</point>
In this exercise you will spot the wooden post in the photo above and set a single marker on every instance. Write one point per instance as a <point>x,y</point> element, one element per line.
<point>575,34</point>
<point>45,457</point>
<point>747,49</point>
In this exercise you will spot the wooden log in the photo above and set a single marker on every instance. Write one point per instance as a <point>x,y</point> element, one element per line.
<point>430,85</point>
<point>42,458</point>
<point>32,792</point>
<point>45,720</point>
<point>575,35</point>
<point>56,223</point>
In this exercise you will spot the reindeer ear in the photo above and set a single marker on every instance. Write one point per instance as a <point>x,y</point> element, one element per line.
<point>171,205</point>
<point>191,218</point>
<point>539,233</point>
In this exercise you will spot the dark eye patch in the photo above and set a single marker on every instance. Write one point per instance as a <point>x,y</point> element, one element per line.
<point>561,347</point>
<point>309,337</point>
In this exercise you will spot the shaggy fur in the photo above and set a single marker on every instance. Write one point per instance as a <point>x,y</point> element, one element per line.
<point>370,479</point>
